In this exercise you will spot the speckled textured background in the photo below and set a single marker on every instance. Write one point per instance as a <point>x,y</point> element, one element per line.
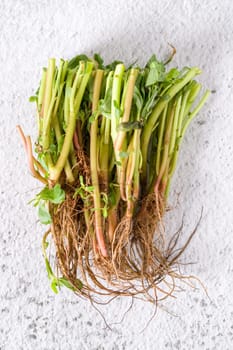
<point>31,316</point>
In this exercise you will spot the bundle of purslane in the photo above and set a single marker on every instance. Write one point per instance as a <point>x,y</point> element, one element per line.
<point>107,147</point>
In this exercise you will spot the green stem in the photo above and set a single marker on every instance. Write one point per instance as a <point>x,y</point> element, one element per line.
<point>116,94</point>
<point>42,89</point>
<point>194,91</point>
<point>195,111</point>
<point>175,126</point>
<point>48,103</point>
<point>121,135</point>
<point>172,91</point>
<point>94,165</point>
<point>160,138</point>
<point>67,168</point>
<point>105,140</point>
<point>181,130</point>
<point>108,120</point>
<point>74,108</point>
<point>166,142</point>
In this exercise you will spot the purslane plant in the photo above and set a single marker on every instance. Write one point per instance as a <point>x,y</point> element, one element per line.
<point>107,147</point>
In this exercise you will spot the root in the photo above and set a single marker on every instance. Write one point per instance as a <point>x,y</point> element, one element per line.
<point>140,264</point>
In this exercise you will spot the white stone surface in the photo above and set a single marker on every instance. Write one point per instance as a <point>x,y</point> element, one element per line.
<point>31,316</point>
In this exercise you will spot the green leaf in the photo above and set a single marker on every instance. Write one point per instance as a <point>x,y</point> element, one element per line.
<point>44,215</point>
<point>63,281</point>
<point>55,195</point>
<point>156,71</point>
<point>74,62</point>
<point>172,75</point>
<point>54,285</point>
<point>113,65</point>
<point>33,98</point>
<point>99,60</point>
<point>150,102</point>
<point>152,77</point>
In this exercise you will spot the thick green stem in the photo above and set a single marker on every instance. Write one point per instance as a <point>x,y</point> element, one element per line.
<point>131,183</point>
<point>149,126</point>
<point>166,142</point>
<point>194,91</point>
<point>105,141</point>
<point>121,135</point>
<point>116,94</point>
<point>175,126</point>
<point>74,108</point>
<point>108,121</point>
<point>120,139</point>
<point>48,103</point>
<point>67,168</point>
<point>160,139</point>
<point>182,129</point>
<point>94,165</point>
<point>42,91</point>
<point>195,111</point>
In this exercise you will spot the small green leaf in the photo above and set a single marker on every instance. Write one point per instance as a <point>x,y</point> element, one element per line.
<point>156,71</point>
<point>74,62</point>
<point>152,77</point>
<point>113,65</point>
<point>63,281</point>
<point>55,195</point>
<point>33,98</point>
<point>44,215</point>
<point>54,285</point>
<point>172,75</point>
<point>99,60</point>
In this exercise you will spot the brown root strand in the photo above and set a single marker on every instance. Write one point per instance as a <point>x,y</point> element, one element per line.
<point>140,264</point>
